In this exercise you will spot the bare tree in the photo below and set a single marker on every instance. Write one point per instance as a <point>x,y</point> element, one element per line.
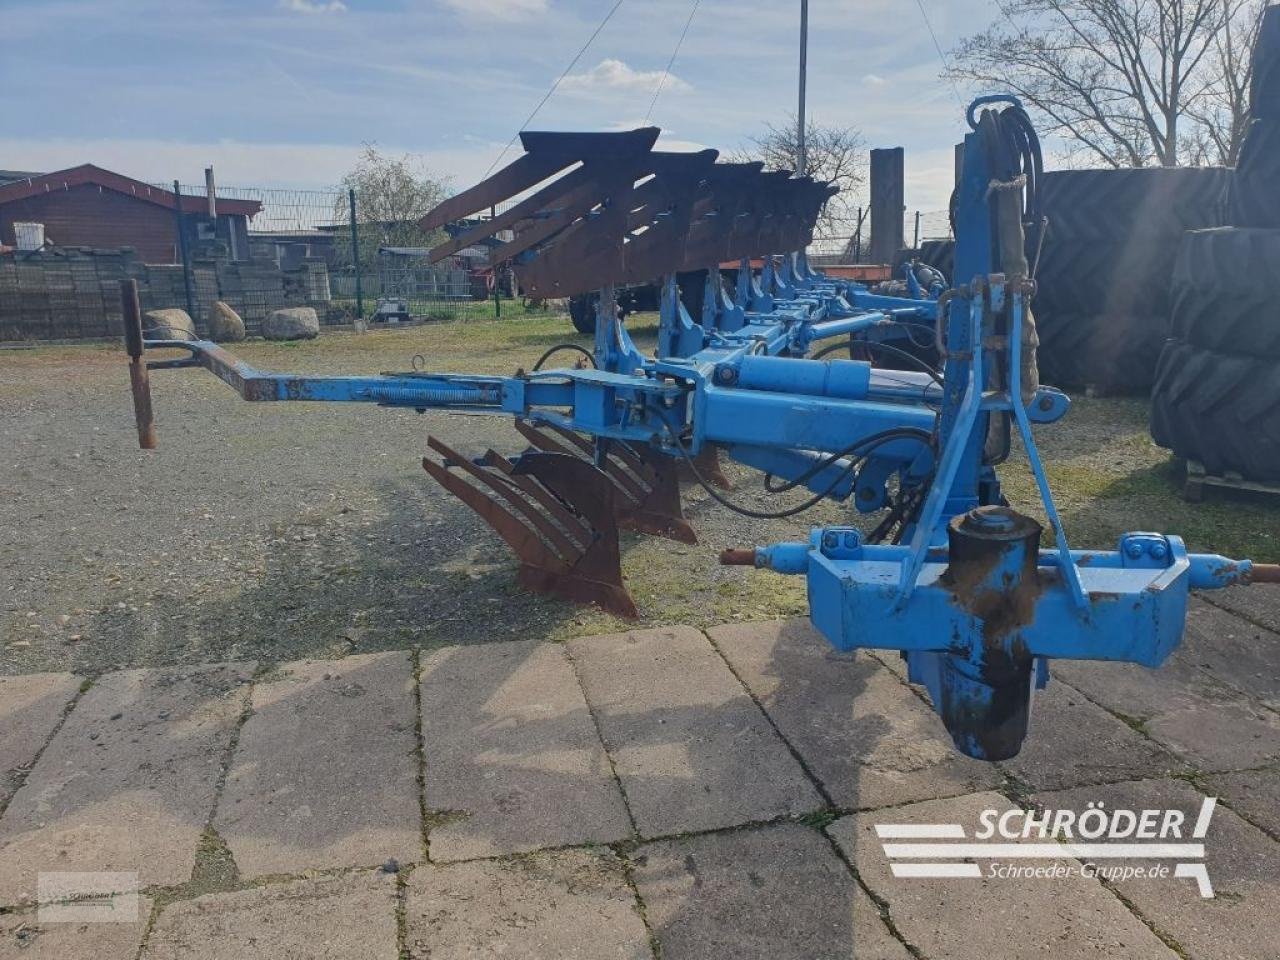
<point>832,153</point>
<point>1125,82</point>
<point>1221,112</point>
<point>392,194</point>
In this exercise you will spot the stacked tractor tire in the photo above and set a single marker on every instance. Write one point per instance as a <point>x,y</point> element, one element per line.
<point>1104,269</point>
<point>1216,398</point>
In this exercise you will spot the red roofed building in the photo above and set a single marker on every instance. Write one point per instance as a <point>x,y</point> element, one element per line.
<point>87,206</point>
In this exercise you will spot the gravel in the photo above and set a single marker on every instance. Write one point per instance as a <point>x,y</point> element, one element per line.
<point>287,531</point>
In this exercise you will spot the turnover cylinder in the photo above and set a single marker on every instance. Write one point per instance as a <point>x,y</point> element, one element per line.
<point>992,575</point>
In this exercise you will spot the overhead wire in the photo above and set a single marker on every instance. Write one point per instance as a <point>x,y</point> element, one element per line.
<point>942,57</point>
<point>670,63</point>
<point>560,79</point>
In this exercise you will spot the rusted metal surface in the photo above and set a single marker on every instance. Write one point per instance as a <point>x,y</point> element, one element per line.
<point>707,463</point>
<point>610,210</point>
<point>737,557</point>
<point>992,574</point>
<point>1265,573</point>
<point>139,379</point>
<point>555,511</point>
<point>646,488</point>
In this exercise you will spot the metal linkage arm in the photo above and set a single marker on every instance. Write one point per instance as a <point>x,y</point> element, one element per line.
<point>417,390</point>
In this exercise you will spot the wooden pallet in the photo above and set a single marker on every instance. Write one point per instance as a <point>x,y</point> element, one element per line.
<point>1197,479</point>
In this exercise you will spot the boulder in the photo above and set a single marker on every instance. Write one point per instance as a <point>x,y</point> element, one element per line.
<point>225,325</point>
<point>292,323</point>
<point>168,325</point>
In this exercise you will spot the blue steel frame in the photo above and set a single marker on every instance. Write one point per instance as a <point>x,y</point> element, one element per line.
<point>738,378</point>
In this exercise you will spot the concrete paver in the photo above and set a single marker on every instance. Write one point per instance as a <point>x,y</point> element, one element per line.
<point>1244,867</point>
<point>31,707</point>
<point>977,919</point>
<point>325,773</point>
<point>352,917</point>
<point>692,750</point>
<point>775,893</point>
<point>128,782</point>
<point>23,937</point>
<point>1235,651</point>
<point>1182,706</point>
<point>569,905</point>
<point>512,759</point>
<point>1261,605</point>
<point>1254,794</point>
<point>1073,741</point>
<point>866,737</point>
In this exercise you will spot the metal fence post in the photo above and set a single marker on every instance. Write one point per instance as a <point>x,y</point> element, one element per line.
<point>497,285</point>
<point>182,251</point>
<point>916,245</point>
<point>355,252</point>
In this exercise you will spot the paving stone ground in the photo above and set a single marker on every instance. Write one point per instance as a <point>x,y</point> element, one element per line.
<point>984,917</point>
<point>661,792</point>
<point>326,774</point>
<point>31,707</point>
<point>869,740</point>
<point>692,750</point>
<point>511,755</point>
<point>775,891</point>
<point>24,937</point>
<point>129,781</point>
<point>570,904</point>
<point>351,917</point>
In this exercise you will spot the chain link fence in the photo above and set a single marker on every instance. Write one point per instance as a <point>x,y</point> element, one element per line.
<point>847,239</point>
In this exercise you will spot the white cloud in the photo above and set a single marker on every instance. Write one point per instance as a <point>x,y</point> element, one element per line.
<point>874,80</point>
<point>497,9</point>
<point>615,75</point>
<point>314,6</point>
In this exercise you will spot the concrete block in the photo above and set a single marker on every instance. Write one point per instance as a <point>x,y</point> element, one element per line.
<point>128,782</point>
<point>1073,741</point>
<point>569,905</point>
<point>868,739</point>
<point>31,707</point>
<point>352,917</point>
<point>512,759</point>
<point>778,892</point>
<point>692,750</point>
<point>1243,865</point>
<point>325,773</point>
<point>966,918</point>
<point>23,937</point>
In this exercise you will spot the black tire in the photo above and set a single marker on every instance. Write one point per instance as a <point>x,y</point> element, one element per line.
<point>692,289</point>
<point>1264,92</point>
<point>1224,291</point>
<point>1255,193</point>
<point>1110,204</point>
<point>1125,276</point>
<point>941,255</point>
<point>582,311</point>
<point>1221,409</point>
<point>1113,353</point>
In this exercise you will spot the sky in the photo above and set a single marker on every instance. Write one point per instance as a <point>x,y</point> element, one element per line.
<point>280,93</point>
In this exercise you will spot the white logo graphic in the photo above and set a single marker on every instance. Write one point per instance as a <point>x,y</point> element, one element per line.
<point>88,898</point>
<point>1096,834</point>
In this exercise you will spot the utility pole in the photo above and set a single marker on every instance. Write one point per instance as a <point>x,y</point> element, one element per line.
<point>801,153</point>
